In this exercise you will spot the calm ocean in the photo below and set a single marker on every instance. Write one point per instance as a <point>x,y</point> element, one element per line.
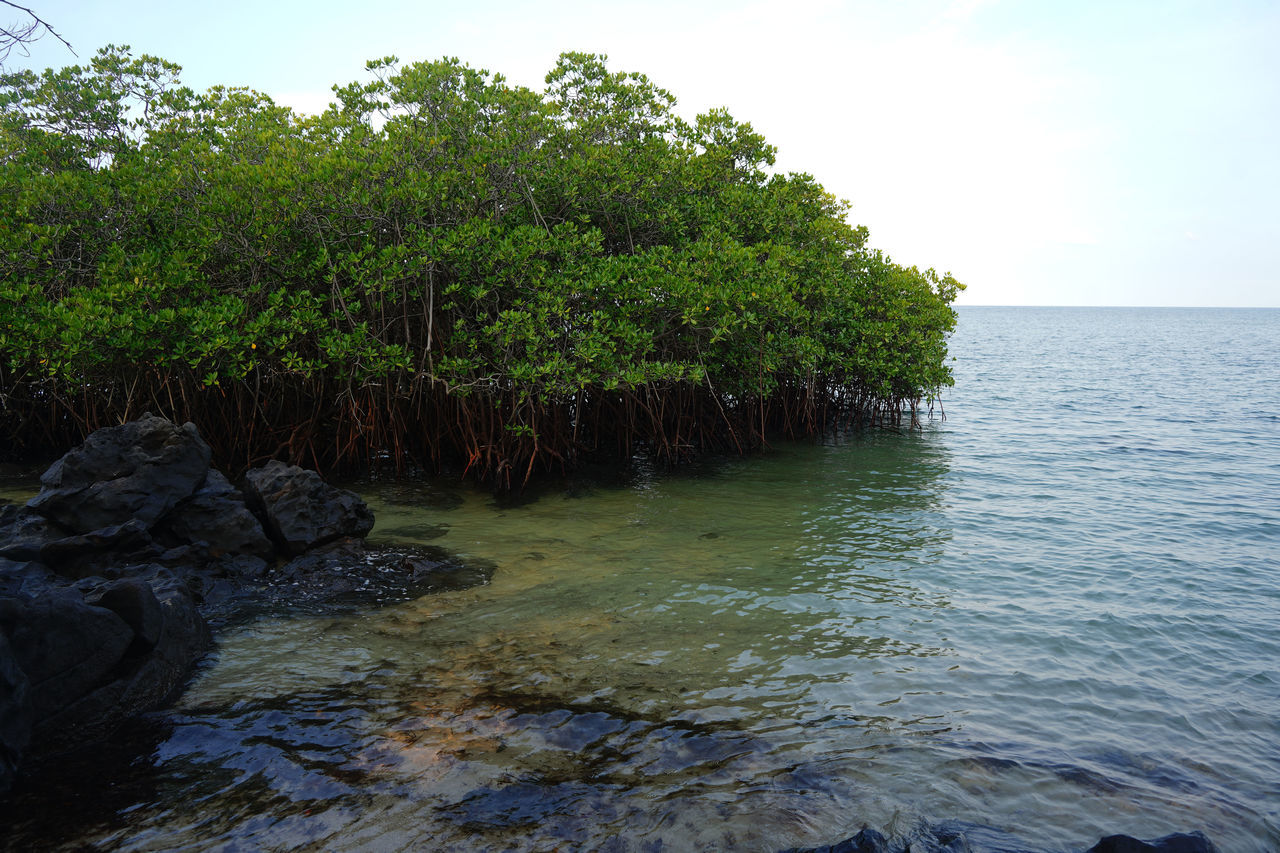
<point>1056,612</point>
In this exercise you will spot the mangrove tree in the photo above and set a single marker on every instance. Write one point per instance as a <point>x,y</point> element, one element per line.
<point>440,267</point>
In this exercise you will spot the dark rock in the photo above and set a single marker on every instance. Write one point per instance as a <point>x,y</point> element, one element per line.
<point>222,588</point>
<point>15,714</point>
<point>65,646</point>
<point>78,658</point>
<point>217,519</point>
<point>24,533</point>
<point>136,471</point>
<point>1192,842</point>
<point>131,535</point>
<point>15,576</point>
<point>88,553</point>
<point>133,600</point>
<point>33,538</point>
<point>146,676</point>
<point>91,662</point>
<point>300,511</point>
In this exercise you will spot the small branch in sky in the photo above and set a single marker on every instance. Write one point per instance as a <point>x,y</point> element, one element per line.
<point>23,33</point>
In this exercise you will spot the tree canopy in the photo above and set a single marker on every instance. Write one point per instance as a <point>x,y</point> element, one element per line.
<point>441,266</point>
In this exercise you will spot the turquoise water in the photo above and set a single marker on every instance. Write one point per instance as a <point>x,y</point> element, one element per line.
<point>1056,612</point>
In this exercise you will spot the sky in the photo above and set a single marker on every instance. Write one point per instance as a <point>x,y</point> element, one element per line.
<point>1093,152</point>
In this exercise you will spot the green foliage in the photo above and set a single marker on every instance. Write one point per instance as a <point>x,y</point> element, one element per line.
<point>440,264</point>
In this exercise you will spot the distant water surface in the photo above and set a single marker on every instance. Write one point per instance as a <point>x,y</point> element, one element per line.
<point>1055,612</point>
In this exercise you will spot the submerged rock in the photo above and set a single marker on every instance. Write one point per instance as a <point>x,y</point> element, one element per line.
<point>357,573</point>
<point>1191,842</point>
<point>963,837</point>
<point>324,571</point>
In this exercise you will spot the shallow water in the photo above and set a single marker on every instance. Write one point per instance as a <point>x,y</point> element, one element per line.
<point>1056,612</point>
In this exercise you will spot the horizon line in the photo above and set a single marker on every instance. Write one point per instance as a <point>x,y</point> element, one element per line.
<point>1185,307</point>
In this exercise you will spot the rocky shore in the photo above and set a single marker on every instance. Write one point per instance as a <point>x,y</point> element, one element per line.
<point>115,577</point>
<point>111,577</point>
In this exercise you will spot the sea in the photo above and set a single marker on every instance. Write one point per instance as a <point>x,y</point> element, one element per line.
<point>1052,610</point>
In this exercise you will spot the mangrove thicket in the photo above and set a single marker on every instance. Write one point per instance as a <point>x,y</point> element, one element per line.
<point>442,267</point>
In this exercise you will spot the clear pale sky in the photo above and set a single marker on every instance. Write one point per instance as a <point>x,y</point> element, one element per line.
<point>1046,153</point>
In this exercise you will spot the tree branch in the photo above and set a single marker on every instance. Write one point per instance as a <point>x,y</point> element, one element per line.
<point>25,33</point>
